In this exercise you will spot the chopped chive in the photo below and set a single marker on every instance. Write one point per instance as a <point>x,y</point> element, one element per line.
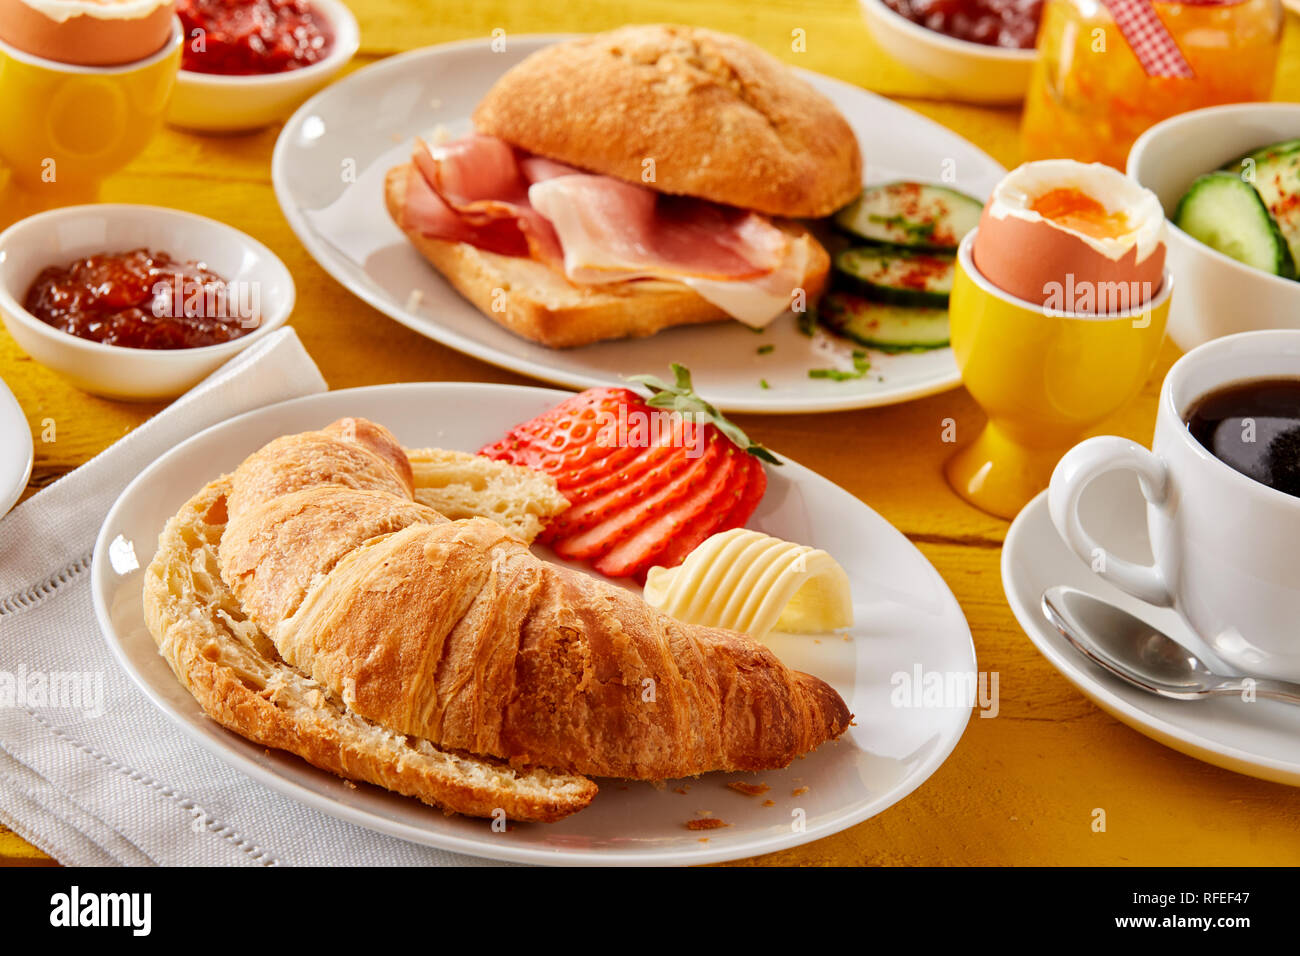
<point>837,375</point>
<point>762,383</point>
<point>808,322</point>
<point>766,349</point>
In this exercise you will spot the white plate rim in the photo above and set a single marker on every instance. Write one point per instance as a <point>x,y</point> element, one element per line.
<point>12,416</point>
<point>450,840</point>
<point>1103,691</point>
<point>325,256</point>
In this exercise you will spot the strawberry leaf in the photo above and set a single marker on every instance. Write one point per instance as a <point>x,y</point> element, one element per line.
<point>680,397</point>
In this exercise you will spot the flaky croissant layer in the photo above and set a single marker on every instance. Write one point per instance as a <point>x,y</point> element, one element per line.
<point>455,632</point>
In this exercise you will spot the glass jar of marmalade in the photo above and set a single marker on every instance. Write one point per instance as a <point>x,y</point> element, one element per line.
<point>1090,97</point>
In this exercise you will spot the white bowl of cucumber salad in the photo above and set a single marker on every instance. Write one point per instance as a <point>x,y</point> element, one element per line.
<point>1229,180</point>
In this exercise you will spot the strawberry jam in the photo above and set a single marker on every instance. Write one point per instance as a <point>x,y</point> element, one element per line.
<point>1004,23</point>
<point>140,299</point>
<point>248,37</point>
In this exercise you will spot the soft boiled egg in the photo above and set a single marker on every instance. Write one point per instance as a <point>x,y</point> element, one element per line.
<point>87,32</point>
<point>1072,237</point>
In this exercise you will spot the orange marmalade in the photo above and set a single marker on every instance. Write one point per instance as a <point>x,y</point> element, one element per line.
<point>1089,98</point>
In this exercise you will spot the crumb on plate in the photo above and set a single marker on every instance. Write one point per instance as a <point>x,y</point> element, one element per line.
<point>707,823</point>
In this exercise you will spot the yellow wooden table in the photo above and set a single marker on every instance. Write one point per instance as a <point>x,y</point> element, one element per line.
<point>1020,788</point>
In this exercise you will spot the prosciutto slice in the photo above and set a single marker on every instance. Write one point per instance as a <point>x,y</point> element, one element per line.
<point>475,190</point>
<point>597,229</point>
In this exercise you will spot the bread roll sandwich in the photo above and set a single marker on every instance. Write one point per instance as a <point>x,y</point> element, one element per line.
<point>312,601</point>
<point>629,181</point>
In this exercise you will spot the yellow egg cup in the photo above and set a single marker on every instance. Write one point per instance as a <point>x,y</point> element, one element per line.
<point>64,128</point>
<point>1043,377</point>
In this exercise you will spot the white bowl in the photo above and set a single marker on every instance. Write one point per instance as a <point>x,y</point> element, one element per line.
<point>972,72</point>
<point>63,235</point>
<point>1217,295</point>
<point>215,103</point>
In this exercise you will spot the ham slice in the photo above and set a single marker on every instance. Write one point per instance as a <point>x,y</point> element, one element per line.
<point>482,191</point>
<point>612,231</point>
<point>475,190</point>
<point>606,224</point>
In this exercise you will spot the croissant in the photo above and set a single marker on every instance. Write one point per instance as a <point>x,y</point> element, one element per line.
<point>454,632</point>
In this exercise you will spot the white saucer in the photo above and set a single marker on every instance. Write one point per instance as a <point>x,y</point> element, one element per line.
<point>907,621</point>
<point>15,450</point>
<point>1260,738</point>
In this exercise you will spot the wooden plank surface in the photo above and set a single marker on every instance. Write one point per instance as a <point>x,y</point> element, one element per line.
<point>1021,787</point>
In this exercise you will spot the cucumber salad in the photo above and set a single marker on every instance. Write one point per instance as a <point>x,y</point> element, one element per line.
<point>890,283</point>
<point>1249,209</point>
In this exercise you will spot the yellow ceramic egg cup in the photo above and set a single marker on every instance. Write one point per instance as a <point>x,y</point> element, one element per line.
<point>1044,379</point>
<point>63,128</point>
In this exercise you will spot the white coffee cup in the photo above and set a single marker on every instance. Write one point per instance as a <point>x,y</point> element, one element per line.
<point>1226,548</point>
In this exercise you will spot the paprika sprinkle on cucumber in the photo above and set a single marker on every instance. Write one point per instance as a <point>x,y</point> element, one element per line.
<point>883,326</point>
<point>900,276</point>
<point>911,215</point>
<point>1277,180</point>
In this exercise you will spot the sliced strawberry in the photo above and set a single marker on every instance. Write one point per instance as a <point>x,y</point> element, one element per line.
<point>570,438</point>
<point>639,498</point>
<point>610,474</point>
<point>612,462</point>
<point>749,498</point>
<point>626,490</point>
<point>746,485</point>
<point>642,507</point>
<point>685,520</point>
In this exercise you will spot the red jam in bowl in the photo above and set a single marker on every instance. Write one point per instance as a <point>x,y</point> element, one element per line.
<point>249,37</point>
<point>1004,23</point>
<point>143,300</point>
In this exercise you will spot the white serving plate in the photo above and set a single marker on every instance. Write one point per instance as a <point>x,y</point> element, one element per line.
<point>328,170</point>
<point>1259,738</point>
<point>16,450</point>
<point>906,618</point>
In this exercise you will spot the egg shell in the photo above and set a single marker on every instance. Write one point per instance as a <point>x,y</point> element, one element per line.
<point>1024,258</point>
<point>85,40</point>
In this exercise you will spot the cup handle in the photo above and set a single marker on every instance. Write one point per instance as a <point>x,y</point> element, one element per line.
<point>1075,471</point>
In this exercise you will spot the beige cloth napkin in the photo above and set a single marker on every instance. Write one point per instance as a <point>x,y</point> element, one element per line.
<point>125,786</point>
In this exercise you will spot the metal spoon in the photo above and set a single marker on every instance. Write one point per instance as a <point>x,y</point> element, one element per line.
<point>1145,657</point>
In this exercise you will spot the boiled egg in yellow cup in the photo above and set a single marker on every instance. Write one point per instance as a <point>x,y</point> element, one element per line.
<point>1057,313</point>
<point>87,32</point>
<point>1058,232</point>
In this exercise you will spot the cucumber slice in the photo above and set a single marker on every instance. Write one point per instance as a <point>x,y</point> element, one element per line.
<point>1264,152</point>
<point>879,325</point>
<point>1277,180</point>
<point>1226,213</point>
<point>901,276</point>
<point>911,215</point>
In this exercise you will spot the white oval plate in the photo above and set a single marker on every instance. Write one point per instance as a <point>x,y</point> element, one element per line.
<point>907,619</point>
<point>328,170</point>
<point>1261,738</point>
<point>16,451</point>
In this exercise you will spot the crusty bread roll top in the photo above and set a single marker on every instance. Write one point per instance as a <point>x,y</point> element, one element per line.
<point>719,118</point>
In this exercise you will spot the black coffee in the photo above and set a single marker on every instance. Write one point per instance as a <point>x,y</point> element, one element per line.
<point>1255,428</point>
